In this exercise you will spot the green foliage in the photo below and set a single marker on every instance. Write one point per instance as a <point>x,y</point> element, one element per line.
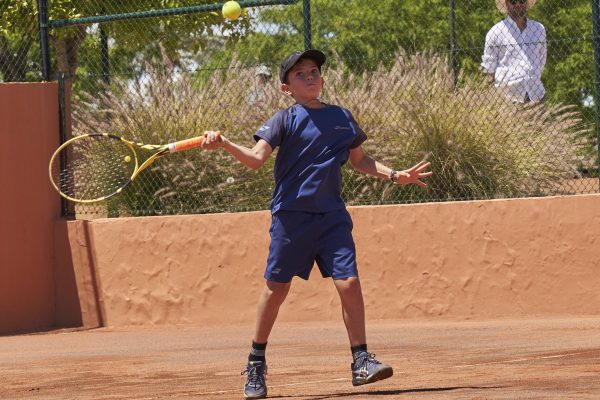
<point>18,42</point>
<point>363,36</point>
<point>130,41</point>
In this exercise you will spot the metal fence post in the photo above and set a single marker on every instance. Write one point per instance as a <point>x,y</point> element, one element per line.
<point>307,25</point>
<point>44,42</point>
<point>62,131</point>
<point>596,40</point>
<point>104,55</point>
<point>453,63</point>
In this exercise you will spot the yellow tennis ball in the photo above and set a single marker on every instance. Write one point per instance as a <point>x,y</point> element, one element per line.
<point>231,10</point>
<point>127,159</point>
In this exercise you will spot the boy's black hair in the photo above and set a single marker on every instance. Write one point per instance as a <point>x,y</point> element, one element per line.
<point>291,60</point>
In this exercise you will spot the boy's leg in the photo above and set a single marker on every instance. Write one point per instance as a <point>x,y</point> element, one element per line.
<point>271,299</point>
<point>353,309</point>
<point>365,368</point>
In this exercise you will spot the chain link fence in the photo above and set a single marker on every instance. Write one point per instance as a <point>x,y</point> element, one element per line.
<point>500,110</point>
<point>20,59</point>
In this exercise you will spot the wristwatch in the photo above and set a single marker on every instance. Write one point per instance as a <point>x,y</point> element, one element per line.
<point>393,175</point>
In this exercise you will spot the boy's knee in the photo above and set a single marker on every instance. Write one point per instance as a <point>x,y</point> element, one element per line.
<point>348,284</point>
<point>277,290</point>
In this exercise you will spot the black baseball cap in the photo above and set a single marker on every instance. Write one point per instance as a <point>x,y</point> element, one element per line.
<point>291,60</point>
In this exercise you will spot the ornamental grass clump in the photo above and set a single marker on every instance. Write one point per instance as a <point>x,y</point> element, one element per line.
<point>167,104</point>
<point>481,145</point>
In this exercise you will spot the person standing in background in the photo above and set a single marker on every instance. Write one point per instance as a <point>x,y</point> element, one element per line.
<point>515,52</point>
<point>258,93</point>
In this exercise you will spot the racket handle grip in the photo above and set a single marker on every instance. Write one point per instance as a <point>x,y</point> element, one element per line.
<point>187,144</point>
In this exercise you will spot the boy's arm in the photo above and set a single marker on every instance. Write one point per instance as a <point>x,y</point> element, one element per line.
<point>363,163</point>
<point>253,158</point>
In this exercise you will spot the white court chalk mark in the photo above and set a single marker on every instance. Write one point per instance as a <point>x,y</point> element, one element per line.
<point>275,386</point>
<point>517,360</point>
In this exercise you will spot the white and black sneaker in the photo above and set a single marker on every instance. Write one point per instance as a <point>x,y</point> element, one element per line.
<point>366,369</point>
<point>255,386</point>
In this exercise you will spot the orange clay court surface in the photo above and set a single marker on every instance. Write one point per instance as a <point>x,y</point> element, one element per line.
<point>556,358</point>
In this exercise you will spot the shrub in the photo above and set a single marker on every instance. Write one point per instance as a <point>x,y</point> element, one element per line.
<point>481,145</point>
<point>165,105</point>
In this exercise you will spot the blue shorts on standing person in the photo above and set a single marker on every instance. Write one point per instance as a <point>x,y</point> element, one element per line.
<point>298,239</point>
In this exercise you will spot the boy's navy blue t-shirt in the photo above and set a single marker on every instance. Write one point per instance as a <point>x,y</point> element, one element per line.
<point>313,146</point>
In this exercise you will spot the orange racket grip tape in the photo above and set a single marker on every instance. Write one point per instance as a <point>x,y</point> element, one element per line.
<point>187,144</point>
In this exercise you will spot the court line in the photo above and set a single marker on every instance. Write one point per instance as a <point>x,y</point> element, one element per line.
<point>275,386</point>
<point>516,360</point>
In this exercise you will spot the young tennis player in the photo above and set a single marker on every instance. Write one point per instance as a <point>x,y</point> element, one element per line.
<point>309,219</point>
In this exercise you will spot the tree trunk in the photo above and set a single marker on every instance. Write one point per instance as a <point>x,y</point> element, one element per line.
<point>67,50</point>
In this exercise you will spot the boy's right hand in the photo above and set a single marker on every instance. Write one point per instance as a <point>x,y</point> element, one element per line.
<point>212,140</point>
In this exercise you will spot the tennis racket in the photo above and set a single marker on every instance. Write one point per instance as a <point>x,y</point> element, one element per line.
<point>96,166</point>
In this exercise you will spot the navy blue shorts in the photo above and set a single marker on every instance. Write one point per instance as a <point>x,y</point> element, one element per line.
<point>298,239</point>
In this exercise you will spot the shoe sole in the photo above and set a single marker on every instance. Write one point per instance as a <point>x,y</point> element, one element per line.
<point>377,376</point>
<point>255,397</point>
<point>262,396</point>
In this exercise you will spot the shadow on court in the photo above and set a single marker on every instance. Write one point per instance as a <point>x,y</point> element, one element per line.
<point>384,392</point>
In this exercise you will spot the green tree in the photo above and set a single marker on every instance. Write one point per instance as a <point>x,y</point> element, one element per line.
<point>365,36</point>
<point>77,46</point>
<point>569,72</point>
<point>18,42</point>
<point>362,35</point>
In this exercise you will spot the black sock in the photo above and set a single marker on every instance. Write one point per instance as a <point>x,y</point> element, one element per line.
<point>257,353</point>
<point>356,350</point>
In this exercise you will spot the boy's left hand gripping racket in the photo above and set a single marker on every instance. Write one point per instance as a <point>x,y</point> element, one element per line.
<point>96,166</point>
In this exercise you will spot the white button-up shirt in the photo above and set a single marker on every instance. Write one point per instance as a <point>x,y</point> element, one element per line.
<point>516,58</point>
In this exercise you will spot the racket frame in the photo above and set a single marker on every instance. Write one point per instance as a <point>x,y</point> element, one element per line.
<point>160,151</point>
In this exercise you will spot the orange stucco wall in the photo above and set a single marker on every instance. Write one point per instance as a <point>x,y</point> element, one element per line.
<point>29,208</point>
<point>490,259</point>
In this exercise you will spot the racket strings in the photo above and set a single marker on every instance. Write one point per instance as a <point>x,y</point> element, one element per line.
<point>93,167</point>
